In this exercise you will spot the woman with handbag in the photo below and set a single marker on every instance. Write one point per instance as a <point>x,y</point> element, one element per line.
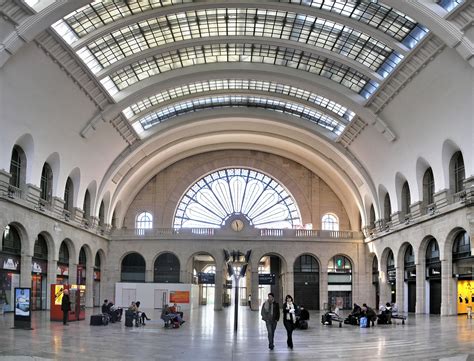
<point>289,319</point>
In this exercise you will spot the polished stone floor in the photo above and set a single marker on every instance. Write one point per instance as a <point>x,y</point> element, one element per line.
<point>209,335</point>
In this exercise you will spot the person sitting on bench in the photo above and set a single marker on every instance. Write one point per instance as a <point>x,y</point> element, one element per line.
<point>370,314</point>
<point>142,315</point>
<point>302,318</point>
<point>175,309</point>
<point>385,316</point>
<point>168,316</point>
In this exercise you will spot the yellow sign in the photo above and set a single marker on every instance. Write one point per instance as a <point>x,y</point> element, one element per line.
<point>465,295</point>
<point>58,294</point>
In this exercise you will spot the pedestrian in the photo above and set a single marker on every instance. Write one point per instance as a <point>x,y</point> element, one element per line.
<point>289,319</point>
<point>250,300</point>
<point>271,315</point>
<point>65,306</point>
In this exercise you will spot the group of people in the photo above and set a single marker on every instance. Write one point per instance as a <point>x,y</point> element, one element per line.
<point>384,317</point>
<point>114,312</point>
<point>171,314</point>
<point>293,317</point>
<point>138,316</point>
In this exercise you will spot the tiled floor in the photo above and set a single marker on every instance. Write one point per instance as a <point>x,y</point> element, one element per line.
<point>209,335</point>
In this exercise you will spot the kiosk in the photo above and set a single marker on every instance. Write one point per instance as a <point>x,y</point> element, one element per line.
<point>77,296</point>
<point>22,317</point>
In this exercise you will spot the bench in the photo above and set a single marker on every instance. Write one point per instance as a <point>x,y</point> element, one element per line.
<point>399,317</point>
<point>334,317</point>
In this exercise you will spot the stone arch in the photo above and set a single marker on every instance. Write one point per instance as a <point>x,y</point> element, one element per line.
<point>27,144</point>
<point>26,245</point>
<point>50,244</point>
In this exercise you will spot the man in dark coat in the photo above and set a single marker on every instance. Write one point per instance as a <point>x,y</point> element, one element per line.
<point>65,306</point>
<point>271,315</point>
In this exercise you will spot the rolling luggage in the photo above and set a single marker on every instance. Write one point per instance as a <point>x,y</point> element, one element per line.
<point>96,320</point>
<point>128,318</point>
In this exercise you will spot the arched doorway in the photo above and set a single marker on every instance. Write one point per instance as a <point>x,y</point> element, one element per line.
<point>96,288</point>
<point>463,264</point>
<point>433,277</point>
<point>410,278</point>
<point>62,274</point>
<point>133,268</point>
<point>392,276</point>
<point>166,268</point>
<point>306,281</point>
<point>340,282</point>
<point>39,269</point>
<point>10,257</point>
<point>81,267</point>
<point>375,281</point>
<point>204,275</point>
<point>270,278</point>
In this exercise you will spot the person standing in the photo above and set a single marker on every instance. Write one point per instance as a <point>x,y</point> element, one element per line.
<point>271,315</point>
<point>289,319</point>
<point>250,300</point>
<point>65,306</point>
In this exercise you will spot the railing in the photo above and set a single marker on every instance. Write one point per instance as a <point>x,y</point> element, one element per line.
<point>13,192</point>
<point>184,233</point>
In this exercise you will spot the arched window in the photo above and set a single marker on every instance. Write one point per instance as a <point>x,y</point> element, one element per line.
<point>41,248</point>
<point>144,221</point>
<point>457,173</point>
<point>82,257</point>
<point>87,205</point>
<point>18,168</point>
<point>461,246</point>
<point>406,199</point>
<point>330,222</point>
<point>409,257</point>
<point>63,254</point>
<point>11,242</point>
<point>387,208</point>
<point>167,268</point>
<point>46,183</point>
<point>428,187</point>
<point>101,214</point>
<point>375,270</point>
<point>237,191</point>
<point>372,217</point>
<point>68,195</point>
<point>97,261</point>
<point>133,268</point>
<point>432,252</point>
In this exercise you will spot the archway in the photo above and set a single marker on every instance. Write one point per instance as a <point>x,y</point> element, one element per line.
<point>463,264</point>
<point>204,275</point>
<point>392,276</point>
<point>133,268</point>
<point>340,282</point>
<point>410,278</point>
<point>375,280</point>
<point>306,281</point>
<point>10,257</point>
<point>166,268</point>
<point>433,277</point>
<point>270,277</point>
<point>39,270</point>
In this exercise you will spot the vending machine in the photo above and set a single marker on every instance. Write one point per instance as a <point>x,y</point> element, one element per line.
<point>77,297</point>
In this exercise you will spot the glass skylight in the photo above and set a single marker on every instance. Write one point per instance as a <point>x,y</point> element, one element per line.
<point>285,107</point>
<point>241,53</point>
<point>237,192</point>
<point>317,32</point>
<point>236,85</point>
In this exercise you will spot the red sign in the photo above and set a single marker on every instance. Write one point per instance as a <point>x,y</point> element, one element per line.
<point>179,296</point>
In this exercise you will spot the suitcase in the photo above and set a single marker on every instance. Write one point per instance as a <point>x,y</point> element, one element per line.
<point>96,320</point>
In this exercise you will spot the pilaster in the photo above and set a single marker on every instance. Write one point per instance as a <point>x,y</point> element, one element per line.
<point>33,195</point>
<point>25,271</point>
<point>218,290</point>
<point>255,304</point>
<point>400,288</point>
<point>420,288</point>
<point>323,289</point>
<point>448,289</point>
<point>90,286</point>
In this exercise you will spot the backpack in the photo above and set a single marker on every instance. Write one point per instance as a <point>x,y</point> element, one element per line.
<point>363,321</point>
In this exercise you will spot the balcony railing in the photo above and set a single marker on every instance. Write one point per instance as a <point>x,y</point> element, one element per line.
<point>189,233</point>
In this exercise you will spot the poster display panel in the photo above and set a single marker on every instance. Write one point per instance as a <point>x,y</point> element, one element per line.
<point>465,297</point>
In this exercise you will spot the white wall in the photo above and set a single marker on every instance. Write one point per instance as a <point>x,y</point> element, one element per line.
<point>145,293</point>
<point>435,106</point>
<point>38,98</point>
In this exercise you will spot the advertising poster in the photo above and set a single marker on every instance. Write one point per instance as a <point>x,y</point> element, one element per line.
<point>22,302</point>
<point>58,294</point>
<point>179,296</point>
<point>465,295</point>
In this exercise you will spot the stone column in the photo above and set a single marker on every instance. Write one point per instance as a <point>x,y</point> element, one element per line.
<point>400,289</point>
<point>25,271</point>
<point>218,290</point>
<point>323,289</point>
<point>89,286</point>
<point>420,288</point>
<point>110,277</point>
<point>149,278</point>
<point>51,279</point>
<point>72,273</point>
<point>255,304</point>
<point>448,289</point>
<point>290,285</point>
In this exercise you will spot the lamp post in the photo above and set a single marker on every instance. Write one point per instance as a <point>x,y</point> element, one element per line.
<point>232,259</point>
